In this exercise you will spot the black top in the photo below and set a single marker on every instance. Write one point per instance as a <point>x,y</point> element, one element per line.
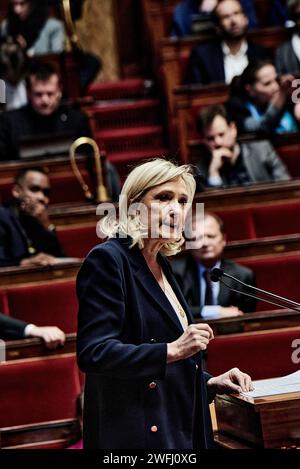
<point>25,122</point>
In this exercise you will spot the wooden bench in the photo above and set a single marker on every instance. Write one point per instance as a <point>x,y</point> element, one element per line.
<point>10,276</point>
<point>30,348</point>
<point>253,322</point>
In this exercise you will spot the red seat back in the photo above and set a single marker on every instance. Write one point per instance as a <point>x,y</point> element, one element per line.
<point>52,304</point>
<point>262,355</point>
<point>278,219</point>
<point>278,274</point>
<point>78,241</point>
<point>38,390</point>
<point>238,223</point>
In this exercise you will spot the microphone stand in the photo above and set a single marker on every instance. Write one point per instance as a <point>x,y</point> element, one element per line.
<point>218,273</point>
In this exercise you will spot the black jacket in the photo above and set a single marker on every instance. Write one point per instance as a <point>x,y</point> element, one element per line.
<point>11,328</point>
<point>186,273</point>
<point>18,234</point>
<point>125,322</point>
<point>206,62</point>
<point>24,122</point>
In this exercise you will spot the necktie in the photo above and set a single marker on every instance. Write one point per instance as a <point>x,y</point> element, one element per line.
<point>208,291</point>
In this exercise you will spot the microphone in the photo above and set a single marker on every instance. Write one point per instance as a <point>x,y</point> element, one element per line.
<point>217,274</point>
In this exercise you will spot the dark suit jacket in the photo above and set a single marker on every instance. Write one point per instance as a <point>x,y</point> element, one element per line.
<point>187,276</point>
<point>261,162</point>
<point>125,322</point>
<point>206,62</point>
<point>286,59</point>
<point>24,122</point>
<point>14,240</point>
<point>11,328</point>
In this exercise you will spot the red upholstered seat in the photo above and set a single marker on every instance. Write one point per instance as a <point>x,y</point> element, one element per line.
<point>49,304</point>
<point>78,241</point>
<point>38,390</point>
<point>238,223</point>
<point>262,355</point>
<point>277,219</point>
<point>119,89</point>
<point>278,274</point>
<point>63,189</point>
<point>3,302</point>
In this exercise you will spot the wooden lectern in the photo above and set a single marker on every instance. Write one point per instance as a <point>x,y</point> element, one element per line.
<point>265,422</point>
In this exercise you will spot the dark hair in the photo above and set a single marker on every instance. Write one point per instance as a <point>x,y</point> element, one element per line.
<point>248,77</point>
<point>31,27</point>
<point>291,7</point>
<point>13,61</point>
<point>218,220</point>
<point>41,71</point>
<point>214,12</point>
<point>206,117</point>
<point>22,173</point>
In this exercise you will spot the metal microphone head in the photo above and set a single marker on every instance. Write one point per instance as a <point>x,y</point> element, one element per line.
<point>216,274</point>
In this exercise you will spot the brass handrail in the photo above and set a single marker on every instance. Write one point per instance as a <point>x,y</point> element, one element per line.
<point>70,25</point>
<point>101,194</point>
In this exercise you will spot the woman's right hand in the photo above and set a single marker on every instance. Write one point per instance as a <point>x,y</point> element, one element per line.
<point>194,339</point>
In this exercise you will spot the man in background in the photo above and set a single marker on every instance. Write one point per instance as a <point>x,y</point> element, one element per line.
<point>27,236</point>
<point>207,299</point>
<point>229,54</point>
<point>227,162</point>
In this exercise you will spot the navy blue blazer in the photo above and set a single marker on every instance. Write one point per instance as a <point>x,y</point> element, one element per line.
<point>11,328</point>
<point>133,398</point>
<point>17,234</point>
<point>13,241</point>
<point>206,62</point>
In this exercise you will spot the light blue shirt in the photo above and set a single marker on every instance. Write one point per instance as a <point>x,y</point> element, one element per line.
<point>209,311</point>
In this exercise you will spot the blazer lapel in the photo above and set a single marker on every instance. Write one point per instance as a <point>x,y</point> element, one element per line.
<point>149,284</point>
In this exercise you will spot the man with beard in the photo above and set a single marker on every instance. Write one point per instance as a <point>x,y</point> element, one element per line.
<point>227,56</point>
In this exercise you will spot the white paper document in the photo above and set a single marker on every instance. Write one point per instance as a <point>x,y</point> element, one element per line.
<point>270,387</point>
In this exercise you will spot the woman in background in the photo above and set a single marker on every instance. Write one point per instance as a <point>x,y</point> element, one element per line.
<point>29,24</point>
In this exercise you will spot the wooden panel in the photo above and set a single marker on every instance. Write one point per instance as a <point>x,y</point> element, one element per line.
<point>246,196</point>
<point>58,434</point>
<point>252,322</point>
<point>28,348</point>
<point>24,275</point>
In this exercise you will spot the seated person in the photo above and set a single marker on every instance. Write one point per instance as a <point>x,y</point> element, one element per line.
<point>11,329</point>
<point>185,10</point>
<point>261,101</point>
<point>27,236</point>
<point>288,54</point>
<point>13,68</point>
<point>228,55</point>
<point>226,162</point>
<point>45,115</point>
<point>29,24</point>
<point>209,299</point>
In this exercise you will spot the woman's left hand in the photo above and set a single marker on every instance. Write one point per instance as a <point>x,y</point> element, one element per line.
<point>233,381</point>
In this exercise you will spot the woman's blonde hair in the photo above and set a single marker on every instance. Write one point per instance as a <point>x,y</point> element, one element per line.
<point>141,179</point>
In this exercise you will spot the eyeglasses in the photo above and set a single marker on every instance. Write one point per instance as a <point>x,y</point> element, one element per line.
<point>45,190</point>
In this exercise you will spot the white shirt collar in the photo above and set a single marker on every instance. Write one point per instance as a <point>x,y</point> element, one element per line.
<point>243,49</point>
